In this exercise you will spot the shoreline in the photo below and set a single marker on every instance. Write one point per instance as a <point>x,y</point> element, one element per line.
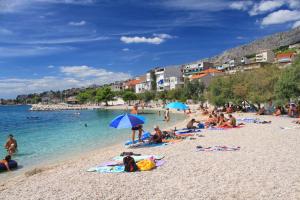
<point>266,167</point>
<point>63,159</point>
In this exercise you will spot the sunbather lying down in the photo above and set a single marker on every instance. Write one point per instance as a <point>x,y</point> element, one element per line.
<point>297,121</point>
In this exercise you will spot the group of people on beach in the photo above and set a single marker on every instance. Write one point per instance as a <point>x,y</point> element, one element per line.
<point>11,146</point>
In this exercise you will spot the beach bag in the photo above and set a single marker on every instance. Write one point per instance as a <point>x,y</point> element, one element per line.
<point>146,165</point>
<point>129,164</point>
<point>201,126</point>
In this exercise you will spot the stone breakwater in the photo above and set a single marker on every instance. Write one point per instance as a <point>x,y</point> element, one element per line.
<point>55,107</point>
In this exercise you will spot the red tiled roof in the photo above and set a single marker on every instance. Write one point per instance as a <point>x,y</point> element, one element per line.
<point>285,55</point>
<point>197,76</point>
<point>205,73</point>
<point>211,70</point>
<point>133,82</point>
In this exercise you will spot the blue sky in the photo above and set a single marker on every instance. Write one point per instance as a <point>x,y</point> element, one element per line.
<point>58,44</point>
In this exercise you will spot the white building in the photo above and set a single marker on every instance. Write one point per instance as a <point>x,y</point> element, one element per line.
<point>168,78</point>
<point>142,84</point>
<point>265,56</point>
<point>196,67</point>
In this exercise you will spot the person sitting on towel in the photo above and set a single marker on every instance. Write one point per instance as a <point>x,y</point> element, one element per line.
<point>221,120</point>
<point>5,161</point>
<point>277,111</point>
<point>190,125</point>
<point>157,137</point>
<point>261,111</point>
<point>231,122</point>
<point>210,121</point>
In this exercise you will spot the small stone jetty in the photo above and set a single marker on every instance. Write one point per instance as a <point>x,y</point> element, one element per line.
<point>57,107</point>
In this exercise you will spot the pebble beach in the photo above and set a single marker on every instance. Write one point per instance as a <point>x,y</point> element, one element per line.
<point>265,167</point>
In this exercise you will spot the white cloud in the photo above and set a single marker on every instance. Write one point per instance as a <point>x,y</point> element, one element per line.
<point>156,39</point>
<point>281,16</point>
<point>51,66</point>
<point>240,37</point>
<point>23,51</point>
<point>294,4</point>
<point>10,6</point>
<point>266,6</point>
<point>296,24</point>
<point>163,35</point>
<point>66,40</point>
<point>125,49</point>
<point>212,5</point>
<point>241,5</point>
<point>80,23</point>
<point>4,31</point>
<point>70,77</point>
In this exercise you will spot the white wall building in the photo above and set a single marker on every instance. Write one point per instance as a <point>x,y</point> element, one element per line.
<point>168,78</point>
<point>265,56</point>
<point>192,68</point>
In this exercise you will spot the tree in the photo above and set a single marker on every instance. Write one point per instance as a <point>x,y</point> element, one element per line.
<point>153,80</point>
<point>129,96</point>
<point>220,91</point>
<point>86,96</point>
<point>194,90</point>
<point>104,94</point>
<point>147,96</point>
<point>288,85</point>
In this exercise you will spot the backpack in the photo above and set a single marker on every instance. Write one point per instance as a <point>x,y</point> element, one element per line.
<point>129,164</point>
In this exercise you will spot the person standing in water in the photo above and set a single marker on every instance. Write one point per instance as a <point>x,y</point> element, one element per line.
<point>134,110</point>
<point>167,115</point>
<point>11,145</point>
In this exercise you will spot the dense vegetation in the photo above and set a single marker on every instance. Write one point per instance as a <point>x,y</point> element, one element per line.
<point>257,86</point>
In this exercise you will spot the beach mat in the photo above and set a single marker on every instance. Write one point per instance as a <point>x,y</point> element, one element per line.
<point>145,145</point>
<point>217,148</point>
<point>138,158</point>
<point>117,168</point>
<point>145,136</point>
<point>185,131</point>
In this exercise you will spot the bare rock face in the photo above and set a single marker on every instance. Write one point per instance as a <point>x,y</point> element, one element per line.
<point>269,42</point>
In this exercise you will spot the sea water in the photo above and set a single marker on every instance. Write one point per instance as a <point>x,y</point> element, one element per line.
<point>46,136</point>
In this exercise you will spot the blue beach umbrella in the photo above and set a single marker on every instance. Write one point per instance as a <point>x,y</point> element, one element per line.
<point>177,105</point>
<point>126,121</point>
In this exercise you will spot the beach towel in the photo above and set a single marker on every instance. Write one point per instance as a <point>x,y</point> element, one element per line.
<point>138,158</point>
<point>118,168</point>
<point>215,129</point>
<point>145,136</point>
<point>185,135</point>
<point>289,128</point>
<point>185,130</point>
<point>253,120</point>
<point>144,145</point>
<point>217,148</point>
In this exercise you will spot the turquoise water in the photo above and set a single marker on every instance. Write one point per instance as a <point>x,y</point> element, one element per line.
<point>46,136</point>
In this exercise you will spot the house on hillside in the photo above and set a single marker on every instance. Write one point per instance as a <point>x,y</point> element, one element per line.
<point>295,46</point>
<point>142,86</point>
<point>117,86</point>
<point>168,78</point>
<point>206,75</point>
<point>193,68</point>
<point>266,56</point>
<point>130,84</point>
<point>72,100</point>
<point>285,57</point>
